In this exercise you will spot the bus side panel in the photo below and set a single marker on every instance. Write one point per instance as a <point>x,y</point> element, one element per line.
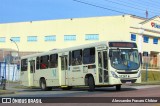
<point>50,75</point>
<point>24,78</point>
<point>77,76</point>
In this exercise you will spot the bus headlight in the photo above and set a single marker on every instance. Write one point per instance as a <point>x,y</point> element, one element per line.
<point>114,74</point>
<point>139,74</point>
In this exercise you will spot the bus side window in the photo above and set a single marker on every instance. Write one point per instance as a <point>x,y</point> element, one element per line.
<point>89,55</point>
<point>53,61</point>
<point>105,60</point>
<point>99,59</point>
<point>24,65</point>
<point>32,66</point>
<point>77,57</point>
<point>70,58</point>
<point>37,63</point>
<point>44,62</point>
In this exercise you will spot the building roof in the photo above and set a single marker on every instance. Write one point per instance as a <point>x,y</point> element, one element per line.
<point>147,20</point>
<point>7,49</point>
<point>138,17</point>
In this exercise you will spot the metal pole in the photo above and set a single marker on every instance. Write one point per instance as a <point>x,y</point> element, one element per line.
<point>146,72</point>
<point>3,55</point>
<point>17,48</point>
<point>8,70</point>
<point>0,68</point>
<point>18,51</point>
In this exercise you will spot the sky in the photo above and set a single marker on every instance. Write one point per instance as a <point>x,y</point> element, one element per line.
<point>35,10</point>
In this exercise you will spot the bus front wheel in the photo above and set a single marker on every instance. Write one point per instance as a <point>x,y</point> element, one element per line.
<point>118,87</point>
<point>91,83</point>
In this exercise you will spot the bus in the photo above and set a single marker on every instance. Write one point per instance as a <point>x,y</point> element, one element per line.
<point>100,64</point>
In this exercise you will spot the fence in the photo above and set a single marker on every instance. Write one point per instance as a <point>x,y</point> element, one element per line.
<point>151,62</point>
<point>9,71</point>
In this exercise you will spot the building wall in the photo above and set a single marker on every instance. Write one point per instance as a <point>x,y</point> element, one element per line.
<point>108,28</point>
<point>148,31</point>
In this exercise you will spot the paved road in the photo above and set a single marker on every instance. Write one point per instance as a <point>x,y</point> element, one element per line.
<point>83,92</point>
<point>127,91</point>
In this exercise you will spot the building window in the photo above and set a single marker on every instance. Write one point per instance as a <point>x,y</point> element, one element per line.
<point>32,38</point>
<point>2,39</point>
<point>146,39</point>
<point>16,39</point>
<point>69,37</point>
<point>91,37</point>
<point>50,38</point>
<point>145,53</point>
<point>133,37</point>
<point>155,40</point>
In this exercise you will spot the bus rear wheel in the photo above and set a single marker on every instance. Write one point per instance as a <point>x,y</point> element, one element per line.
<point>91,83</point>
<point>44,86</point>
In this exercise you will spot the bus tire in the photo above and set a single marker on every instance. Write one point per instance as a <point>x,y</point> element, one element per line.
<point>43,85</point>
<point>118,87</point>
<point>91,83</point>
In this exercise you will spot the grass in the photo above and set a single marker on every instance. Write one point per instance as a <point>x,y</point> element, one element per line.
<point>25,87</point>
<point>6,92</point>
<point>152,76</point>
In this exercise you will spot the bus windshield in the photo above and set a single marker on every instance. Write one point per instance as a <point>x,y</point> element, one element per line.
<point>124,59</point>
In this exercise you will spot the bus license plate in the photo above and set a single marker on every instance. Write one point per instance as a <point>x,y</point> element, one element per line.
<point>129,82</point>
<point>124,76</point>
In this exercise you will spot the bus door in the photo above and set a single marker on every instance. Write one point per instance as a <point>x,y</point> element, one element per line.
<point>103,66</point>
<point>64,70</point>
<point>32,72</point>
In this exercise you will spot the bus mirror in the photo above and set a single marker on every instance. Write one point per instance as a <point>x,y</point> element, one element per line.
<point>140,57</point>
<point>110,53</point>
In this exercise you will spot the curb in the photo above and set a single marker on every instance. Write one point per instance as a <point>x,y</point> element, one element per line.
<point>2,92</point>
<point>146,83</point>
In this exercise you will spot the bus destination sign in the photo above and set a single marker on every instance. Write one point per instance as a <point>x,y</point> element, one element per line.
<point>123,44</point>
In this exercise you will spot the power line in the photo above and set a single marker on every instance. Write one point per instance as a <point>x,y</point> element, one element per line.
<point>127,5</point>
<point>140,4</point>
<point>100,7</point>
<point>153,3</point>
<point>114,10</point>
